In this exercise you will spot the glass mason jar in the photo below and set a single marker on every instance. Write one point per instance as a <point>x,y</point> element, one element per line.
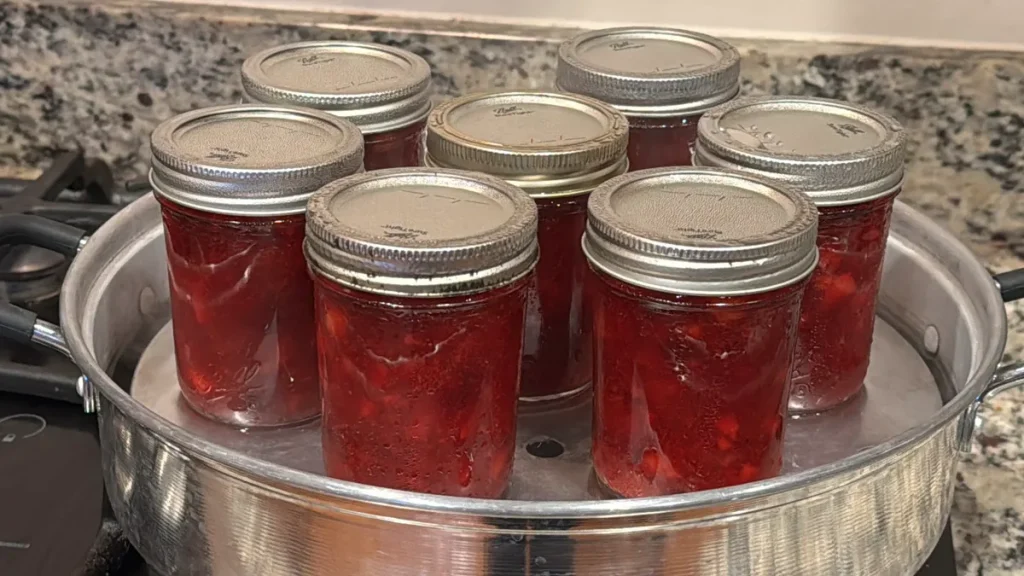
<point>557,148</point>
<point>233,183</point>
<point>385,91</point>
<point>849,160</point>
<point>695,309</point>
<point>662,80</point>
<point>420,285</point>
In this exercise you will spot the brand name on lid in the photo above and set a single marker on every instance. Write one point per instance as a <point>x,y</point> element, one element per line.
<point>225,155</point>
<point>511,111</point>
<point>625,45</point>
<point>846,130</point>
<point>315,59</point>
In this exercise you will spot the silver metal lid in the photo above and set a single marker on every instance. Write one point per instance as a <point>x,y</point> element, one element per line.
<point>379,88</point>
<point>647,71</point>
<point>421,232</point>
<point>700,231</point>
<point>837,153</point>
<point>251,159</point>
<point>547,143</point>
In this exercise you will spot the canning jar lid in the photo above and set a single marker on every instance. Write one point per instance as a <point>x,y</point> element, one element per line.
<point>700,231</point>
<point>377,87</point>
<point>649,71</point>
<point>836,152</point>
<point>421,232</point>
<point>251,159</point>
<point>547,143</point>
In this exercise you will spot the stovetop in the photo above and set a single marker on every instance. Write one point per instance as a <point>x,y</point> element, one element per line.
<point>54,517</point>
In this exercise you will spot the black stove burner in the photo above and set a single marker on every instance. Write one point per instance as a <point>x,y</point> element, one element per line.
<point>72,190</point>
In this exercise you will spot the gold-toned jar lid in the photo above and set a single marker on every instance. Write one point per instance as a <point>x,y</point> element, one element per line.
<point>547,143</point>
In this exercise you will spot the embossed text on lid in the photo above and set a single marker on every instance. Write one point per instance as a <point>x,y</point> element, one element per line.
<point>421,232</point>
<point>546,143</point>
<point>700,231</point>
<point>377,87</point>
<point>648,71</point>
<point>836,152</point>
<point>251,159</point>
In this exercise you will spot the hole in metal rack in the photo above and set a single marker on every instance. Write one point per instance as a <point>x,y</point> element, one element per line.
<point>545,448</point>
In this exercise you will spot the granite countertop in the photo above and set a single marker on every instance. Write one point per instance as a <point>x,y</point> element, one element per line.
<point>103,77</point>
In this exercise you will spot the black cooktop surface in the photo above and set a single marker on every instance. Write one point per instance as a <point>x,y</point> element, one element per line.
<point>51,487</point>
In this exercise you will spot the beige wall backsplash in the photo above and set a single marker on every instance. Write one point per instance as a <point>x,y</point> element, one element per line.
<point>984,24</point>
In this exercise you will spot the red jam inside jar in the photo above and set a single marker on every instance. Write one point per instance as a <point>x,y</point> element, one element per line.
<point>694,307</point>
<point>421,280</point>
<point>660,142</point>
<point>399,148</point>
<point>831,363</point>
<point>690,392</point>
<point>421,394</point>
<point>557,354</point>
<point>557,147</point>
<point>242,308</point>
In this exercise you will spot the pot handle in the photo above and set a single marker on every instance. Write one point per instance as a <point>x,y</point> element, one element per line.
<point>43,232</point>
<point>1007,376</point>
<point>24,326</point>
<point>1010,284</point>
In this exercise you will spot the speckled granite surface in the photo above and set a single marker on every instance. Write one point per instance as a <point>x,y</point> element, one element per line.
<point>102,78</point>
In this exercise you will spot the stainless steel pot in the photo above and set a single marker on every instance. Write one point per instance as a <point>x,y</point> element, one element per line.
<point>866,491</point>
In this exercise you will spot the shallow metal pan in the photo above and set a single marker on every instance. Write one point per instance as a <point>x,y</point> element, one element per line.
<point>867,488</point>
